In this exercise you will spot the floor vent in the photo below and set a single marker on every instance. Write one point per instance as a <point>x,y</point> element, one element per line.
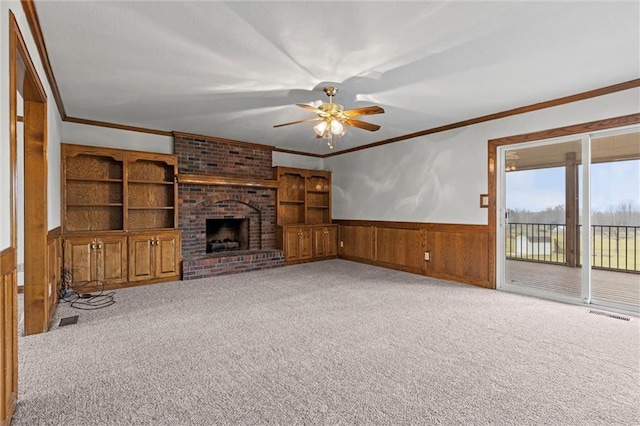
<point>607,314</point>
<point>68,321</point>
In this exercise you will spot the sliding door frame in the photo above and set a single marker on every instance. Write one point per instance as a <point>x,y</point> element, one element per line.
<point>501,283</point>
<point>497,217</point>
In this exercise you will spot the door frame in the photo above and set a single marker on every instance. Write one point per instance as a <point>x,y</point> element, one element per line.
<point>585,248</point>
<point>585,131</point>
<point>492,155</point>
<point>23,78</point>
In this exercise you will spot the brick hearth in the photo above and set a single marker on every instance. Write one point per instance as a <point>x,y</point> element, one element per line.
<point>199,202</point>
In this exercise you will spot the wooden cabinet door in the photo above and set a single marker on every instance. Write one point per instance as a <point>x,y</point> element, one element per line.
<point>141,257</point>
<point>331,241</point>
<point>291,243</point>
<point>305,250</point>
<point>167,254</point>
<point>79,258</point>
<point>112,259</point>
<point>319,246</point>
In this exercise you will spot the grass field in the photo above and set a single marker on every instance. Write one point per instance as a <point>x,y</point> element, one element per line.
<point>607,252</point>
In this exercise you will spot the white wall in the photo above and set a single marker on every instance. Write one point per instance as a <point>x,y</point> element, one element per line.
<point>84,134</point>
<point>300,161</point>
<point>53,129</point>
<point>439,178</point>
<point>5,183</point>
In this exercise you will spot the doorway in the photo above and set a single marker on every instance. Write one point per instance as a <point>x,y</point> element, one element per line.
<point>568,219</point>
<point>24,82</point>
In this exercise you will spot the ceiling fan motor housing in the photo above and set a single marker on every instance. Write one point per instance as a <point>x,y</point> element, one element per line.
<point>333,110</point>
<point>331,90</point>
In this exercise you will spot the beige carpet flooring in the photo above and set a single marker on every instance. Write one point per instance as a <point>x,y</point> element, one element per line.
<point>331,342</point>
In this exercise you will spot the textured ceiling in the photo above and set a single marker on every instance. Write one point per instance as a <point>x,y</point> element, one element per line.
<point>234,69</point>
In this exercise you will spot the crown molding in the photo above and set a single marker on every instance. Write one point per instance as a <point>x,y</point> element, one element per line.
<point>117,126</point>
<point>29,8</point>
<point>521,110</point>
<point>592,126</point>
<point>292,151</point>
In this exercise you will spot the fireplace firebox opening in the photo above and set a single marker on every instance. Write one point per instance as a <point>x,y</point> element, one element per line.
<point>228,234</point>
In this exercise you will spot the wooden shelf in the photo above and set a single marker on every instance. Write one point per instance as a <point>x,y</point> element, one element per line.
<point>95,205</point>
<point>150,208</point>
<point>150,182</point>
<point>72,179</point>
<point>304,196</point>
<point>102,188</point>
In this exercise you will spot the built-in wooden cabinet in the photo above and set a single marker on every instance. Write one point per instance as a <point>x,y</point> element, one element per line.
<point>290,196</point>
<point>318,200</point>
<point>154,255</point>
<point>109,198</point>
<point>304,196</point>
<point>325,241</point>
<point>151,193</point>
<point>92,190</point>
<point>304,230</point>
<point>91,260</point>
<point>296,243</point>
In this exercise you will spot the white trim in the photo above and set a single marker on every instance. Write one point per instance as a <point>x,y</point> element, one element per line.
<point>595,304</point>
<point>585,229</point>
<point>585,234</point>
<point>617,307</point>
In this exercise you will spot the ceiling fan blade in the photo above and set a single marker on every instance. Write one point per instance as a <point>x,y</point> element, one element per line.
<point>363,125</point>
<point>310,108</point>
<point>370,110</point>
<point>299,121</point>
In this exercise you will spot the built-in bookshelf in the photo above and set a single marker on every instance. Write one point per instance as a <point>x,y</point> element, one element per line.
<point>304,230</point>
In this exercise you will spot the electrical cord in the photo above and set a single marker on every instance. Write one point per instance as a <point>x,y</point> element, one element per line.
<point>71,293</point>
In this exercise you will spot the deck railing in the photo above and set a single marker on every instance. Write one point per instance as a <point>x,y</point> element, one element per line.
<point>613,247</point>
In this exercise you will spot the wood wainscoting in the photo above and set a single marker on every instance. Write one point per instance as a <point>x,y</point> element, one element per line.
<point>455,252</point>
<point>9,332</point>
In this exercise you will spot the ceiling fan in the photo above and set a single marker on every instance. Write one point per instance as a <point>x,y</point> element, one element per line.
<point>332,117</point>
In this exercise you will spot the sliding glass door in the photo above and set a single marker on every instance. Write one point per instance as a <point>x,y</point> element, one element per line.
<point>615,219</point>
<point>567,219</point>
<point>540,219</point>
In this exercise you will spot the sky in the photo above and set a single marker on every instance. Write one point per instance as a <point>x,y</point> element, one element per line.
<point>611,184</point>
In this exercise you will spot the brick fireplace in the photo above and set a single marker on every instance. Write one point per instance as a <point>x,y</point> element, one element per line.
<point>227,183</point>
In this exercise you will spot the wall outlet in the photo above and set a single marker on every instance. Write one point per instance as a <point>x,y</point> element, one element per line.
<point>341,244</point>
<point>427,256</point>
<point>20,267</point>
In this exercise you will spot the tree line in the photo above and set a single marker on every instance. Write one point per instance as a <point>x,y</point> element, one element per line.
<point>625,213</point>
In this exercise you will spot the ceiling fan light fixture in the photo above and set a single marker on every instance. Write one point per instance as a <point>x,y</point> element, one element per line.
<point>333,120</point>
<point>336,127</point>
<point>321,128</point>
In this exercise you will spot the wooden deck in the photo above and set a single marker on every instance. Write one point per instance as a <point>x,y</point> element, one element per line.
<point>611,286</point>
